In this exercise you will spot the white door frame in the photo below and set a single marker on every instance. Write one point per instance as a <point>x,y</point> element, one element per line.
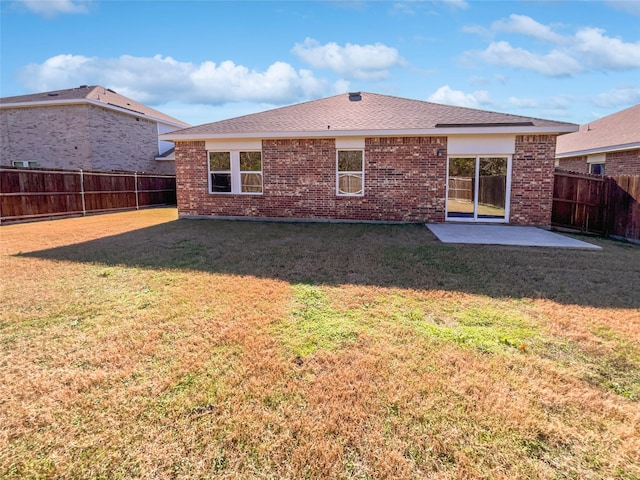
<point>476,180</point>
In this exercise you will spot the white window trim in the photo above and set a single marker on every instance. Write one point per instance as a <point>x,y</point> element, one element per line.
<point>355,172</point>
<point>236,173</point>
<point>507,200</point>
<point>25,163</point>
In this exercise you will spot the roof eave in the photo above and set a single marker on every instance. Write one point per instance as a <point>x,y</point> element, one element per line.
<point>81,101</point>
<point>592,151</point>
<point>557,129</point>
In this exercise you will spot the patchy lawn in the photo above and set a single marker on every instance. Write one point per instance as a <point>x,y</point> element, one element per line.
<point>135,345</point>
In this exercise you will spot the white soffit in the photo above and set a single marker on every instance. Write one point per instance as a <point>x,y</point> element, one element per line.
<point>597,158</point>
<point>349,142</point>
<point>238,144</point>
<point>481,144</point>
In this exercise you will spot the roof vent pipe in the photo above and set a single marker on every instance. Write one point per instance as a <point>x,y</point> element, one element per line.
<point>355,96</point>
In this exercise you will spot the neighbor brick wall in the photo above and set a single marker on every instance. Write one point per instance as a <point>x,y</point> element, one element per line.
<point>124,142</point>
<point>623,163</point>
<point>574,164</point>
<point>532,180</point>
<point>55,137</point>
<point>404,181</point>
<point>80,136</point>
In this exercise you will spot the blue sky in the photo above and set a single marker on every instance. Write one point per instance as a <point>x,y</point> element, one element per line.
<point>202,61</point>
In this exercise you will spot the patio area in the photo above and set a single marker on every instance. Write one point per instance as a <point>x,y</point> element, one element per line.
<point>505,235</point>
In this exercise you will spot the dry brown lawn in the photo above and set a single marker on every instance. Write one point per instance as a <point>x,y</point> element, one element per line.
<point>136,345</point>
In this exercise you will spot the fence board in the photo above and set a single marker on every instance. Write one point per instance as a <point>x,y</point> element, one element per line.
<point>624,211</point>
<point>32,193</point>
<point>601,205</point>
<point>492,190</point>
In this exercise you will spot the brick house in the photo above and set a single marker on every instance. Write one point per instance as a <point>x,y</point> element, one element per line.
<point>89,127</point>
<point>608,145</point>
<point>369,157</point>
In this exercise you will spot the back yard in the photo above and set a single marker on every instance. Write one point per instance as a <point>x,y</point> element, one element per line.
<point>136,345</point>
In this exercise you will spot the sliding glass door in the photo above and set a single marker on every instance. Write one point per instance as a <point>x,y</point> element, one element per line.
<point>478,188</point>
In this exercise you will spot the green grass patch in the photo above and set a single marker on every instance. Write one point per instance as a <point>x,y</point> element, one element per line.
<point>313,323</point>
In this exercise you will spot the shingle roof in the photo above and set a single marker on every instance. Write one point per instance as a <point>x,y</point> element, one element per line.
<point>372,112</point>
<point>95,93</point>
<point>607,133</point>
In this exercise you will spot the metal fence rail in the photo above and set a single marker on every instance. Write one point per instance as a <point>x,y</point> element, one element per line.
<point>38,193</point>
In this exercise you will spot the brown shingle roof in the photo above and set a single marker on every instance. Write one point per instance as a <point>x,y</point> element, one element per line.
<point>607,133</point>
<point>371,112</point>
<point>95,93</point>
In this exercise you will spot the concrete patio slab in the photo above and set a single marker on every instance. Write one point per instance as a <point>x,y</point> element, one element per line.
<point>504,235</point>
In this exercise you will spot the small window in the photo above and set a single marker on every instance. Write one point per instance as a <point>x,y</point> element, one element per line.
<point>350,177</point>
<point>251,172</point>
<point>596,168</point>
<point>220,168</point>
<point>25,163</point>
<point>235,172</point>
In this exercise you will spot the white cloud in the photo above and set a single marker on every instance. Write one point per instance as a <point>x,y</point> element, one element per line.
<point>601,51</point>
<point>525,25</point>
<point>628,6</point>
<point>618,97</point>
<point>478,81</point>
<point>553,64</point>
<point>449,96</point>
<point>587,48</point>
<point>50,8</point>
<point>477,30</point>
<point>413,7</point>
<point>524,102</point>
<point>363,62</point>
<point>341,86</point>
<point>403,8</point>
<point>553,104</point>
<point>158,79</point>
<point>503,79</point>
<point>461,4</point>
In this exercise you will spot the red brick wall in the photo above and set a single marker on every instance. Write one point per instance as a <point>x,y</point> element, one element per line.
<point>574,164</point>
<point>532,180</point>
<point>405,180</point>
<point>191,177</point>
<point>623,163</point>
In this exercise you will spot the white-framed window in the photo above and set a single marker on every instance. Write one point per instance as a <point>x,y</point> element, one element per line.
<point>24,163</point>
<point>235,172</point>
<point>350,172</point>
<point>596,168</point>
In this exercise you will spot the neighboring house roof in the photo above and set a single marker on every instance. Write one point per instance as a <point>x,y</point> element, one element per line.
<point>93,94</point>
<point>363,113</point>
<point>618,131</point>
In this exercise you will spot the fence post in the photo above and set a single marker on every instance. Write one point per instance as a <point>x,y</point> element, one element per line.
<point>84,205</point>
<point>135,176</point>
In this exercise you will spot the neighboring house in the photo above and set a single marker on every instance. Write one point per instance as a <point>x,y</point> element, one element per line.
<point>89,127</point>
<point>370,157</point>
<point>608,145</point>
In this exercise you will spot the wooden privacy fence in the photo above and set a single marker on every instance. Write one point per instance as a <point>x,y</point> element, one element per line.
<point>601,205</point>
<point>461,188</point>
<point>491,189</point>
<point>37,193</point>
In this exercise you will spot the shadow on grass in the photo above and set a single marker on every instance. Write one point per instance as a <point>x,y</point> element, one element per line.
<point>404,256</point>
